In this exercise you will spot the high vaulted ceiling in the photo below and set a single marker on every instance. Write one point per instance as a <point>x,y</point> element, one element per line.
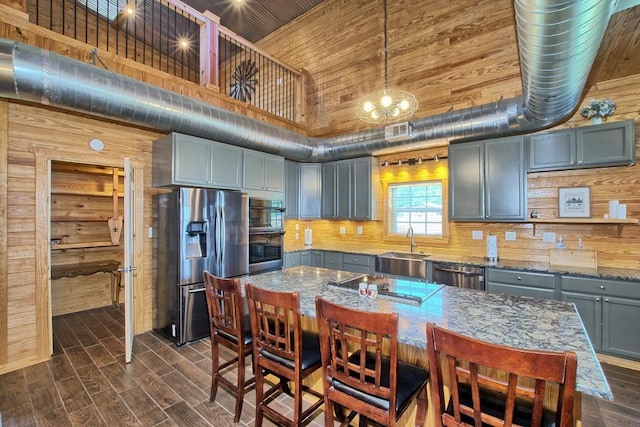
<point>254,19</point>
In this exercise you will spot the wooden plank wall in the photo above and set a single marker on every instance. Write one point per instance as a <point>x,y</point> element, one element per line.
<point>447,53</point>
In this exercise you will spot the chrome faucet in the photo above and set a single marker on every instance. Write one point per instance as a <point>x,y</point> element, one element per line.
<point>410,235</point>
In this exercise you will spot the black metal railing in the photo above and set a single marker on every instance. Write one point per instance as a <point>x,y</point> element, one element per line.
<point>165,35</point>
<point>250,76</point>
<point>156,34</point>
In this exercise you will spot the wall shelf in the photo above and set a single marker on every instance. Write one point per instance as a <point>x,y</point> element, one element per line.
<point>81,245</point>
<point>619,223</point>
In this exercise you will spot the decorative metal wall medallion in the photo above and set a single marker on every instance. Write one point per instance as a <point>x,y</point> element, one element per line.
<point>244,81</point>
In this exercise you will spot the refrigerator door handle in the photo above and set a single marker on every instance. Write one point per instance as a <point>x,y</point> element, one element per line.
<point>223,234</point>
<point>218,237</point>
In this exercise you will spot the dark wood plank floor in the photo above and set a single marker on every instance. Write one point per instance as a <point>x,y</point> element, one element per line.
<point>87,383</point>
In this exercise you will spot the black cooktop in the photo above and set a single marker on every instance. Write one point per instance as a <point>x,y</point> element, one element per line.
<point>407,291</point>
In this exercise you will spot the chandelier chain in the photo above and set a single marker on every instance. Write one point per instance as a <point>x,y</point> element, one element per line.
<point>384,5</point>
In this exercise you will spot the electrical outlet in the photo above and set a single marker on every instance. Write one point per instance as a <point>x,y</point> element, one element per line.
<point>476,234</point>
<point>297,236</point>
<point>359,229</point>
<point>297,227</point>
<point>509,235</point>
<point>343,230</point>
<point>549,237</point>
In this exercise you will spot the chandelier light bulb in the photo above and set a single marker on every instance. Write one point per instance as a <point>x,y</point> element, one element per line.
<point>368,106</point>
<point>386,101</point>
<point>375,115</point>
<point>404,104</point>
<point>395,112</point>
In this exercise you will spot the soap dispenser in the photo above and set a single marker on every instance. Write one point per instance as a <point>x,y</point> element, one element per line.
<point>560,244</point>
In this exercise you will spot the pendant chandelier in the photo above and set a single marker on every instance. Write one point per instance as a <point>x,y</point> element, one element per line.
<point>388,105</point>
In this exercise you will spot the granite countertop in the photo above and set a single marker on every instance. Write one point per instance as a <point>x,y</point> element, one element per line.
<point>501,319</point>
<point>601,272</point>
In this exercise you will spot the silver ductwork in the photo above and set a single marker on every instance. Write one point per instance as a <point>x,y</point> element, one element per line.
<point>558,41</point>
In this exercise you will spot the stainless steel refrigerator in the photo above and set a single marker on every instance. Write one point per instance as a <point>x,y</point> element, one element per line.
<point>198,229</point>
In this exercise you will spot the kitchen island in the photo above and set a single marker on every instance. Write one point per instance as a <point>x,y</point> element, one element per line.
<point>501,319</point>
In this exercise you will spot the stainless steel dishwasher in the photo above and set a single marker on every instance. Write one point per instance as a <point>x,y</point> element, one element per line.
<point>459,275</point>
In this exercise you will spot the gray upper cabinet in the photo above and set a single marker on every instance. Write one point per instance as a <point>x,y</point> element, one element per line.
<point>487,180</point>
<point>310,191</point>
<point>262,172</point>
<point>186,160</point>
<point>610,144</point>
<point>350,189</point>
<point>336,190</point>
<point>365,182</point>
<point>291,188</point>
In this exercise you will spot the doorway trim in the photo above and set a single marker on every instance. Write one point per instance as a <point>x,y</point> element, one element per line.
<point>43,230</point>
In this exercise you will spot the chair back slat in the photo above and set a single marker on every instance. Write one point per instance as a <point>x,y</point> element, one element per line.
<point>511,379</point>
<point>275,317</point>
<point>224,302</point>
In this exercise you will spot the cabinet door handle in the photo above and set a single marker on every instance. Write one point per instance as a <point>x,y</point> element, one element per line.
<point>606,300</point>
<point>598,299</point>
<point>519,278</point>
<point>601,286</point>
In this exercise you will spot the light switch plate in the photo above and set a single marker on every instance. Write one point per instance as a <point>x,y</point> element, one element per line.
<point>549,237</point>
<point>150,231</point>
<point>359,229</point>
<point>476,234</point>
<point>509,235</point>
<point>343,230</point>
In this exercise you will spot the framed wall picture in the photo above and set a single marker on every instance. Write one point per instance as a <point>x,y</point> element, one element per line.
<point>574,202</point>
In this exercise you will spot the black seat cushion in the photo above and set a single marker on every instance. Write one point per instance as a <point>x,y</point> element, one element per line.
<point>410,379</point>
<point>310,352</point>
<point>247,332</point>
<point>494,404</point>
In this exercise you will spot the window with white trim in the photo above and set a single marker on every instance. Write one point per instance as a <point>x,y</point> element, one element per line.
<point>417,205</point>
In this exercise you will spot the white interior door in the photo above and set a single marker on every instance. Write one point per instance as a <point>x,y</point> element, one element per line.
<point>129,257</point>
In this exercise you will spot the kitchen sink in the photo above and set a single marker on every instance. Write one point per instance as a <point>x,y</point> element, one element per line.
<point>402,264</point>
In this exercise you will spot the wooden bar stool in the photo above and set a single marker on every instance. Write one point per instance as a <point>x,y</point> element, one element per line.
<point>359,374</point>
<point>494,385</point>
<point>231,328</point>
<point>282,348</point>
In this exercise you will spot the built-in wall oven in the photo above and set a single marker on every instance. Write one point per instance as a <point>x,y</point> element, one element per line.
<point>266,234</point>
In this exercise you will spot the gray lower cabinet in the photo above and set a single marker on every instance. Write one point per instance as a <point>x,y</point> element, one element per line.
<point>187,160</point>
<point>293,259</point>
<point>317,259</point>
<point>610,312</point>
<point>610,144</point>
<point>309,197</point>
<point>358,263</point>
<point>333,260</point>
<point>521,283</point>
<point>262,172</point>
<point>291,189</point>
<point>487,180</point>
